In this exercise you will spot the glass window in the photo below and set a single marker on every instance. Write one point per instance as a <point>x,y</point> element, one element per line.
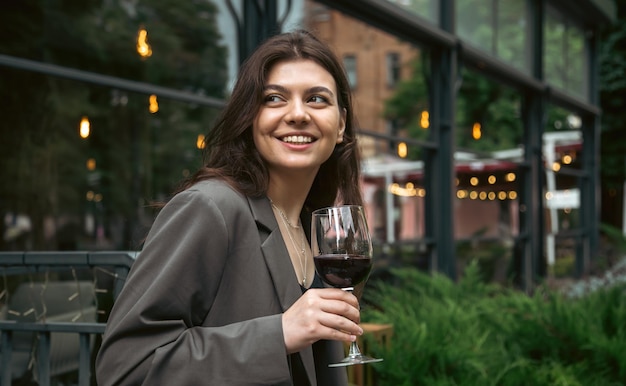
<point>564,59</point>
<point>393,69</point>
<point>349,63</point>
<point>498,27</point>
<point>489,137</point>
<point>86,161</point>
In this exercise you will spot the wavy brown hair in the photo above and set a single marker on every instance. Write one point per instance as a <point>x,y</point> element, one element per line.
<point>230,152</point>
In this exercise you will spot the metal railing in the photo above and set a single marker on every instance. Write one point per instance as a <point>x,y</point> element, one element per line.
<point>43,333</point>
<point>37,333</point>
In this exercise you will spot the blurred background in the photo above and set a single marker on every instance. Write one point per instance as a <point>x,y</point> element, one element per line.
<point>490,129</point>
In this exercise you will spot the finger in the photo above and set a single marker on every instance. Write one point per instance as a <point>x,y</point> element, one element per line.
<point>349,334</point>
<point>337,294</point>
<point>343,309</point>
<point>340,322</point>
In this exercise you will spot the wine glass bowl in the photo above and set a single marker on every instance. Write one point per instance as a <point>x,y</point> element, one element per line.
<point>342,252</point>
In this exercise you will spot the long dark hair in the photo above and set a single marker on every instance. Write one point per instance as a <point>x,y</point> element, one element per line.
<point>230,152</point>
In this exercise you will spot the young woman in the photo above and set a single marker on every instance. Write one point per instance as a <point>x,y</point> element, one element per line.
<point>224,291</point>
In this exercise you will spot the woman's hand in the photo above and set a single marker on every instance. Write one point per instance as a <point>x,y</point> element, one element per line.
<point>323,313</point>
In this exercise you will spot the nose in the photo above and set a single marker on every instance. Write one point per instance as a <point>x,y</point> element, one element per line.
<point>297,113</point>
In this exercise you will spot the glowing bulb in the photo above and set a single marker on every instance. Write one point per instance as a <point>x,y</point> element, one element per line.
<point>402,150</point>
<point>84,127</point>
<point>476,131</point>
<point>200,141</point>
<point>143,48</point>
<point>424,119</point>
<point>154,104</point>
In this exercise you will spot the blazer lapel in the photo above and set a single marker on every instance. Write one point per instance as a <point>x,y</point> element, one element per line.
<point>279,265</point>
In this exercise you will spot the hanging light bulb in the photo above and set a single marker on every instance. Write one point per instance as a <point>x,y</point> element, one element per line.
<point>154,104</point>
<point>402,150</point>
<point>84,129</point>
<point>200,141</point>
<point>143,48</point>
<point>424,119</point>
<point>476,131</point>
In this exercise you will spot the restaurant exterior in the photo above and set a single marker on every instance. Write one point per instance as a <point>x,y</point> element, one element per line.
<point>119,97</point>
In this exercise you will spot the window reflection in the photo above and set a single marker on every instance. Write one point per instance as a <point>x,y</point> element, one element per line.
<point>498,27</point>
<point>564,59</point>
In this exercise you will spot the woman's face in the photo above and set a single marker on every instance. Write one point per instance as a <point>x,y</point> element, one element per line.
<point>299,121</point>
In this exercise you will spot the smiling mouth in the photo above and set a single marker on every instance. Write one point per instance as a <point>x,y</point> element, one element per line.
<point>297,139</point>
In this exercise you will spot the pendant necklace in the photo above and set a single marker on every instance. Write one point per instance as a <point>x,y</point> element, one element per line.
<point>289,226</point>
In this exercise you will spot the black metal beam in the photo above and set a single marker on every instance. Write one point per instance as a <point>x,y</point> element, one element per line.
<point>258,21</point>
<point>108,81</point>
<point>395,20</point>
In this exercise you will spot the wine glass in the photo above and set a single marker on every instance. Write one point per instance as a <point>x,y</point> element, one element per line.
<point>342,252</point>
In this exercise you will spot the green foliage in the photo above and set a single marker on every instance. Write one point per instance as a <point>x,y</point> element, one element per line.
<point>476,333</point>
<point>615,237</point>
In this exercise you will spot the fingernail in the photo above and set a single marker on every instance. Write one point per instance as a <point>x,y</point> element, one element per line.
<point>360,331</point>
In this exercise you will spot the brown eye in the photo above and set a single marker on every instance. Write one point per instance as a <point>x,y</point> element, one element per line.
<point>272,98</point>
<point>318,99</point>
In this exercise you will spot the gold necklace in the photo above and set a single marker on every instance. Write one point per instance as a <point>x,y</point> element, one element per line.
<point>284,216</point>
<point>302,256</point>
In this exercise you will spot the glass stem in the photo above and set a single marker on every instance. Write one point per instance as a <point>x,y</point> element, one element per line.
<point>354,350</point>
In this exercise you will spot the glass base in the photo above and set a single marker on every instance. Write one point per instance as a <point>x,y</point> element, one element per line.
<point>355,360</point>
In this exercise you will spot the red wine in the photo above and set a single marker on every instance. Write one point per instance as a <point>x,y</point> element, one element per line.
<point>343,270</point>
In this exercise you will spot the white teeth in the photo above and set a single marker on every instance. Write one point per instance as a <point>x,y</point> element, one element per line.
<point>297,139</point>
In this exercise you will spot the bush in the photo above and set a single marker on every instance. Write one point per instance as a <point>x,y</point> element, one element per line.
<point>476,333</point>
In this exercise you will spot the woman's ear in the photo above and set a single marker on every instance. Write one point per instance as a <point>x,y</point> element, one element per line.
<point>342,125</point>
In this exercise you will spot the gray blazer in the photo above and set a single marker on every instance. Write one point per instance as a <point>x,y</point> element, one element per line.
<point>202,304</point>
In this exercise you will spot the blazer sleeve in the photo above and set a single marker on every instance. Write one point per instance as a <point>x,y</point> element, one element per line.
<point>154,334</point>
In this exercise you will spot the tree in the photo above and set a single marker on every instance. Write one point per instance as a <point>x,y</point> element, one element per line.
<point>613,100</point>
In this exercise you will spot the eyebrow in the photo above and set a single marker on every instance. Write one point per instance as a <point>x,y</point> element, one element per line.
<point>316,89</point>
